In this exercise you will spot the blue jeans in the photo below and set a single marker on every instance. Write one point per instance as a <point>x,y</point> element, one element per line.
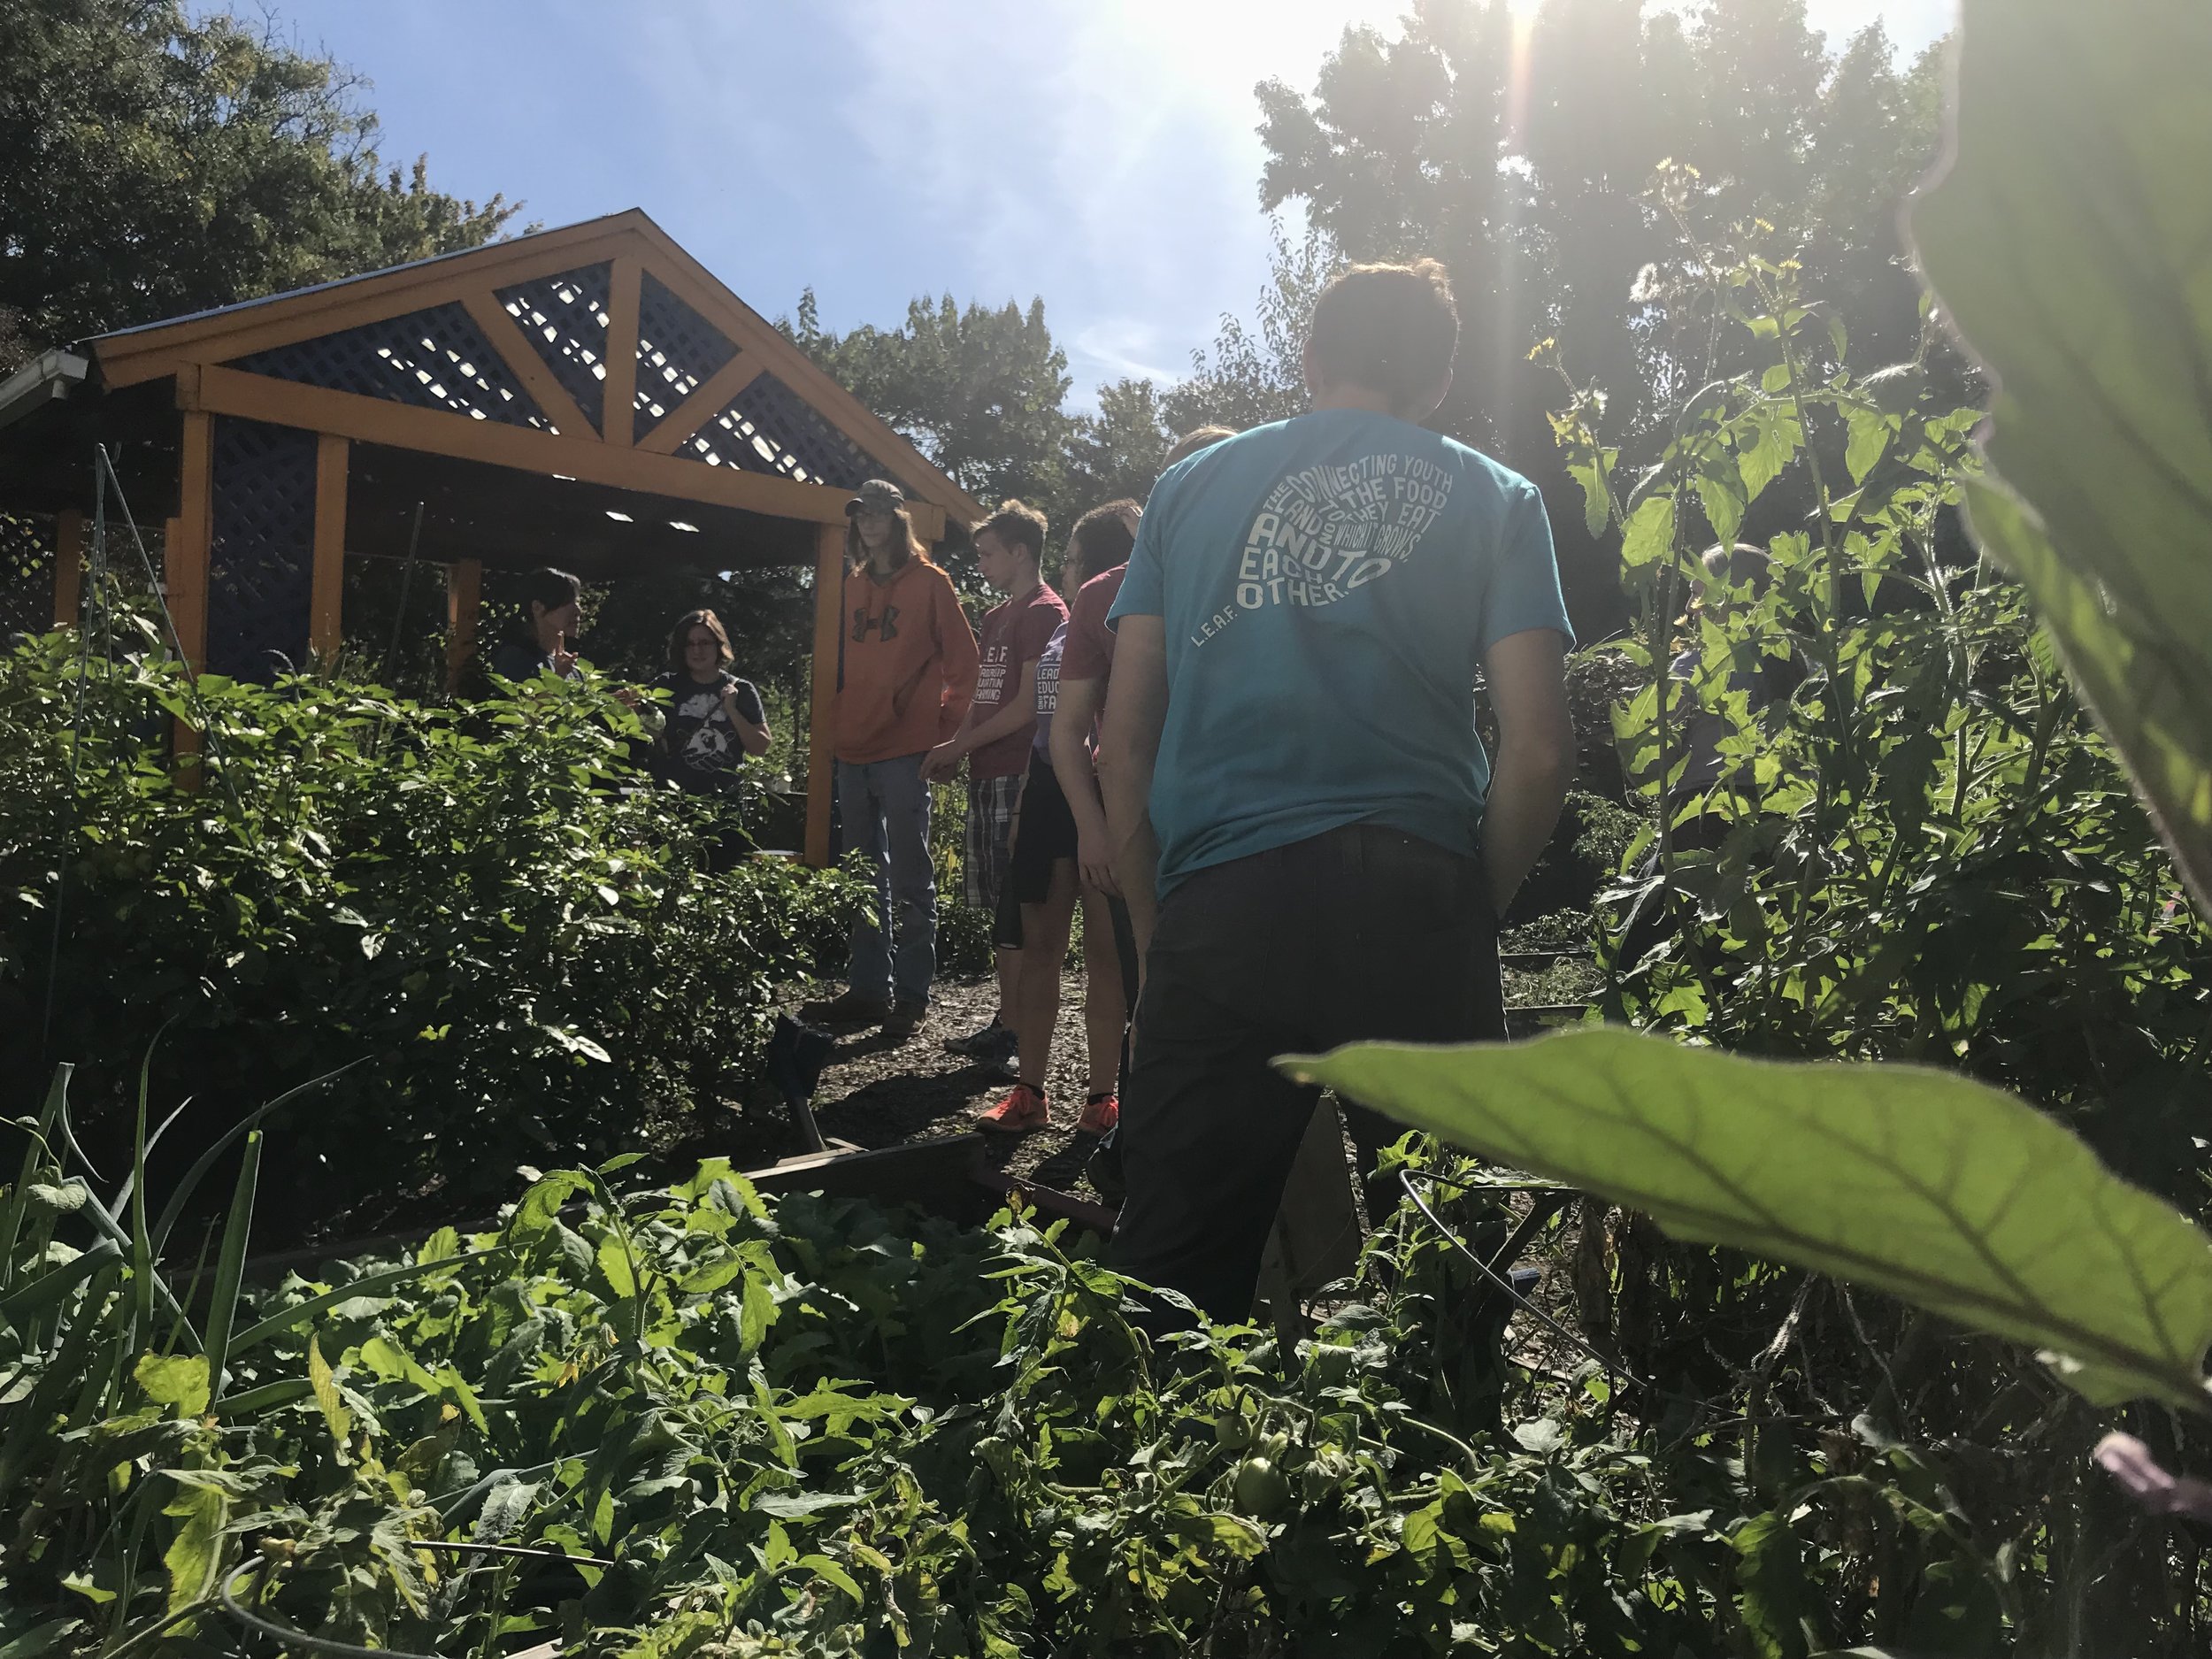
<point>884,807</point>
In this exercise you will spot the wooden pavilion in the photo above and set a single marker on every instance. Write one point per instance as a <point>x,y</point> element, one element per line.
<point>590,397</point>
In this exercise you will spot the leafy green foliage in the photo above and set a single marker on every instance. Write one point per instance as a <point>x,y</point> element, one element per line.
<point>802,1427</point>
<point>1880,825</point>
<point>2065,240</point>
<point>978,390</point>
<point>527,959</point>
<point>155,160</point>
<point>1944,1191</point>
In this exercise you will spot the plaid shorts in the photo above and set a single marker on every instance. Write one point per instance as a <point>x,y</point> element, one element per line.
<point>991,802</point>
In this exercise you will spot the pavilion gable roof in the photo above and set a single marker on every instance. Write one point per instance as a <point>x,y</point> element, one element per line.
<point>599,350</point>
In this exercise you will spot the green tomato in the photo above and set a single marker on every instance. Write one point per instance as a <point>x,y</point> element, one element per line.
<point>1260,1490</point>
<point>1231,1432</point>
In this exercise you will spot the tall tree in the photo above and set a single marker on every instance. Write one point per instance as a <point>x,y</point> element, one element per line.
<point>1255,371</point>
<point>980,391</point>
<point>1521,151</point>
<point>1117,451</point>
<point>154,161</point>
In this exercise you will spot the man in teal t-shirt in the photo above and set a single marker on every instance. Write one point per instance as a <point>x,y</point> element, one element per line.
<point>1306,613</point>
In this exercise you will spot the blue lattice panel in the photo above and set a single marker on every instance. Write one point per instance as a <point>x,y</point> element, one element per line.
<point>565,318</point>
<point>677,350</point>
<point>27,576</point>
<point>770,428</point>
<point>261,564</point>
<point>437,358</point>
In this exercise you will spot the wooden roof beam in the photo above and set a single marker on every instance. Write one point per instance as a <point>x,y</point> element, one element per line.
<point>698,287</point>
<point>523,361</point>
<point>149,354</point>
<point>212,389</point>
<point>707,400</point>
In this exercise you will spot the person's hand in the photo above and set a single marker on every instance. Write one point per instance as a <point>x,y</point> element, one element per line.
<point>626,696</point>
<point>562,661</point>
<point>1097,868</point>
<point>943,761</point>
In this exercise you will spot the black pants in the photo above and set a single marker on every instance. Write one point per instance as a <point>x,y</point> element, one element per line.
<point>1360,934</point>
<point>1126,955</point>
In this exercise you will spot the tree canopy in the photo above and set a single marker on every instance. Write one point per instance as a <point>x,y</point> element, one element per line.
<point>1523,153</point>
<point>155,162</point>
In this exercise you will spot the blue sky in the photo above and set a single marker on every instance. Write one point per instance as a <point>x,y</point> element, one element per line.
<point>1100,153</point>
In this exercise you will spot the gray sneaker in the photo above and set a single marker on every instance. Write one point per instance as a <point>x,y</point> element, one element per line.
<point>848,1008</point>
<point>993,1041</point>
<point>905,1019</point>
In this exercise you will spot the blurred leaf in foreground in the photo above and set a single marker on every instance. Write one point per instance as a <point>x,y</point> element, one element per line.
<point>1950,1194</point>
<point>2070,240</point>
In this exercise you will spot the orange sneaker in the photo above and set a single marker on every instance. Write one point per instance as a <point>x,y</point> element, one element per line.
<point>1101,1113</point>
<point>1024,1108</point>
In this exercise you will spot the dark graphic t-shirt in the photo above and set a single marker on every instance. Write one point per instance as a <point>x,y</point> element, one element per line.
<point>519,657</point>
<point>699,747</point>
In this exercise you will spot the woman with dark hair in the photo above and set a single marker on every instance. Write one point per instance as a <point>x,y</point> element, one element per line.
<point>906,673</point>
<point>715,719</point>
<point>540,645</point>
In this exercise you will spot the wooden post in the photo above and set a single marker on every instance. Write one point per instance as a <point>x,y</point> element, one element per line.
<point>68,566</point>
<point>829,631</point>
<point>464,595</point>
<point>184,552</point>
<point>184,559</point>
<point>617,394</point>
<point>326,620</point>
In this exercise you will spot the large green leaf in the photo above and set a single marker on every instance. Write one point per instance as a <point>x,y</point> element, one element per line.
<point>1949,1193</point>
<point>2071,243</point>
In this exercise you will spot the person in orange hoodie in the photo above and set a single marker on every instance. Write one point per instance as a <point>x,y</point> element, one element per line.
<point>906,677</point>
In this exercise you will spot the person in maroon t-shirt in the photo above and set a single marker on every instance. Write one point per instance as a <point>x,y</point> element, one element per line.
<point>1041,877</point>
<point>994,740</point>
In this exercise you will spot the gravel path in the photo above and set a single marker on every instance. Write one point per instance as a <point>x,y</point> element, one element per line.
<point>878,1093</point>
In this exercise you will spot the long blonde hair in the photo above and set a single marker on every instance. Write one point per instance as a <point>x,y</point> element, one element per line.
<point>906,546</point>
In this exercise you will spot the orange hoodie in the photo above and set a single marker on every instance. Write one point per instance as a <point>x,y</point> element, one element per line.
<point>909,663</point>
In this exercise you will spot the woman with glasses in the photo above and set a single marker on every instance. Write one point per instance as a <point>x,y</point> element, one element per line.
<point>714,720</point>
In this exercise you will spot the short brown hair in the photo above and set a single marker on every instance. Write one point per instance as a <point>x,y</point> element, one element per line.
<point>680,636</point>
<point>1016,524</point>
<point>1104,538</point>
<point>1390,328</point>
<point>1196,439</point>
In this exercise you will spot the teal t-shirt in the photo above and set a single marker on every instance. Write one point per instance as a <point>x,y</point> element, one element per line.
<point>1328,586</point>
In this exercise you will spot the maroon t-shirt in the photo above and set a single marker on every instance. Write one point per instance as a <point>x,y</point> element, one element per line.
<point>1015,632</point>
<point>1090,652</point>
